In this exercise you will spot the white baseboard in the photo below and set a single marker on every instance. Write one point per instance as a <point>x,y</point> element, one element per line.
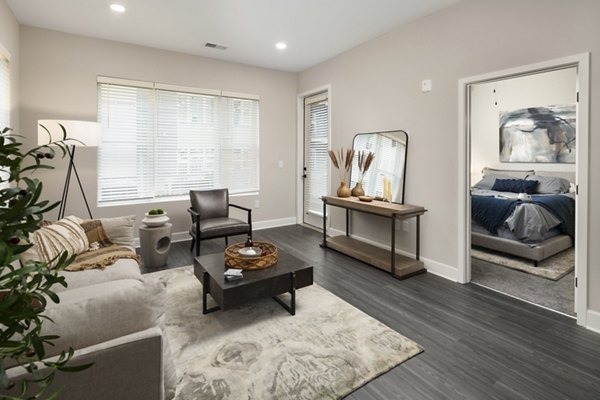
<point>256,226</point>
<point>273,223</point>
<point>593,321</point>
<point>432,266</point>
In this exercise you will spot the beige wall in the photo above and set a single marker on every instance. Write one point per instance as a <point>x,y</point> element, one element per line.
<point>9,40</point>
<point>376,86</point>
<point>58,80</point>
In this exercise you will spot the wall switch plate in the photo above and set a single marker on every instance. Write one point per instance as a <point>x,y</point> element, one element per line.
<point>405,226</point>
<point>280,164</point>
<point>256,203</point>
<point>426,85</point>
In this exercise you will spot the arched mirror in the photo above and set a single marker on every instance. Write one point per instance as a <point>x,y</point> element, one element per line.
<point>389,149</point>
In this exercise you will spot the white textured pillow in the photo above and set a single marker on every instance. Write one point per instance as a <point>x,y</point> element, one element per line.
<point>51,240</point>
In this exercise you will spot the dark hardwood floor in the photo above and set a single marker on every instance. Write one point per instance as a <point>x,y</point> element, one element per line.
<point>478,344</point>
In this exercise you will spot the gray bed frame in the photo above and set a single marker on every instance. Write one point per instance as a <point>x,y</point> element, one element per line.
<point>535,253</point>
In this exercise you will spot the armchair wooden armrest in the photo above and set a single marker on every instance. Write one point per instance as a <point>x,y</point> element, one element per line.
<point>194,214</point>
<point>249,210</point>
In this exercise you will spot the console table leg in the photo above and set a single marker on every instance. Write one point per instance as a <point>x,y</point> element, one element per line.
<point>393,246</point>
<point>418,237</point>
<point>324,243</point>
<point>347,222</point>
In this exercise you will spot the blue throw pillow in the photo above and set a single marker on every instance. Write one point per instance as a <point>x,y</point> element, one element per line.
<point>515,186</point>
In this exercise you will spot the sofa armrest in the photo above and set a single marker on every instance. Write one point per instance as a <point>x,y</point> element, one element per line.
<point>97,313</point>
<point>128,367</point>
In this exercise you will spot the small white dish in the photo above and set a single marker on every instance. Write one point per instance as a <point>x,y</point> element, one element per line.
<point>250,251</point>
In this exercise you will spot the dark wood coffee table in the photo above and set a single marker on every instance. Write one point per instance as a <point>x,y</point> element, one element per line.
<point>290,273</point>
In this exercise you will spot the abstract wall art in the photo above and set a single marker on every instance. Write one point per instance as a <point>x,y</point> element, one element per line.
<point>538,134</point>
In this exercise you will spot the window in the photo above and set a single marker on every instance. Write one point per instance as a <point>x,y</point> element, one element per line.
<point>4,93</point>
<point>161,141</point>
<point>4,107</point>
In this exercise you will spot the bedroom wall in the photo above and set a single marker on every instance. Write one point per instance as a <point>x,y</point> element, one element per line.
<point>489,99</point>
<point>376,86</point>
<point>9,42</point>
<point>59,73</point>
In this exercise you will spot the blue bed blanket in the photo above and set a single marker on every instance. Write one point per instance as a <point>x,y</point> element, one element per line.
<point>491,212</point>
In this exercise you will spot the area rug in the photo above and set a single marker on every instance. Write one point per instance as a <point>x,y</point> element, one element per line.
<point>552,268</point>
<point>259,351</point>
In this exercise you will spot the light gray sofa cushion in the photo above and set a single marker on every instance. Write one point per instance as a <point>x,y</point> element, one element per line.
<point>122,269</point>
<point>96,313</point>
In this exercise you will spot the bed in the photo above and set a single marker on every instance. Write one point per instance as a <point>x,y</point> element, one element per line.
<point>533,225</point>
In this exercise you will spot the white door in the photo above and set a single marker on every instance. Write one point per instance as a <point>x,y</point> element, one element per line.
<point>316,159</point>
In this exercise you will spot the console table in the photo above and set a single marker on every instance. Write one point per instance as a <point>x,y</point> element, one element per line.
<point>403,267</point>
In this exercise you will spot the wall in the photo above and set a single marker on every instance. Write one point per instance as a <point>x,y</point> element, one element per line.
<point>489,99</point>
<point>58,80</point>
<point>9,39</point>
<point>376,86</point>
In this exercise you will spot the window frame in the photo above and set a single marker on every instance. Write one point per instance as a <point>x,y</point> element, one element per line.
<point>221,97</point>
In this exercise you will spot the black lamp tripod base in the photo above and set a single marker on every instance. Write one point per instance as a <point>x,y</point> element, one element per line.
<point>70,169</point>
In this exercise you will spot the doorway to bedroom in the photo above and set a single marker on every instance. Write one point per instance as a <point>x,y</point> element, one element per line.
<point>523,164</point>
<point>523,169</point>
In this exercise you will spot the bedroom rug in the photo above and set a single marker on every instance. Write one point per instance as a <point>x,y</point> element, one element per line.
<point>553,268</point>
<point>259,351</point>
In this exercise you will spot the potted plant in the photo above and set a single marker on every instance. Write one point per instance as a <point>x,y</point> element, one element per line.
<point>155,217</point>
<point>25,290</point>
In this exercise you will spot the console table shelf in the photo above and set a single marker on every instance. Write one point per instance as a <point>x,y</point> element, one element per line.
<point>404,267</point>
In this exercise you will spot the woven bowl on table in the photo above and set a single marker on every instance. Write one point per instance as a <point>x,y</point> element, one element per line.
<point>268,257</point>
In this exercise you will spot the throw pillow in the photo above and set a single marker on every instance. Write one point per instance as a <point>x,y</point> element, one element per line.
<point>52,240</point>
<point>550,184</point>
<point>515,186</point>
<point>118,229</point>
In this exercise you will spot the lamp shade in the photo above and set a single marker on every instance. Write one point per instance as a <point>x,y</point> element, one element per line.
<point>82,133</point>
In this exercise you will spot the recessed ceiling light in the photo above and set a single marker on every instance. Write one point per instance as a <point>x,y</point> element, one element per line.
<point>281,46</point>
<point>117,8</point>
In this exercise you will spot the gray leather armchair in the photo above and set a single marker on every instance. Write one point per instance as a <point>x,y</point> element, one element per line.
<point>210,217</point>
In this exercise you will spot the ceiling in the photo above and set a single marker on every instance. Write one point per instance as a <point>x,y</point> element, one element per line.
<point>314,30</point>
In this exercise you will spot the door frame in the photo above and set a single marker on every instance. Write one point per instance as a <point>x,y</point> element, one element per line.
<point>300,147</point>
<point>582,63</point>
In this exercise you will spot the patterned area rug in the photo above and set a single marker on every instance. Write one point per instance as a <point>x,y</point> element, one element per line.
<point>552,268</point>
<point>259,351</point>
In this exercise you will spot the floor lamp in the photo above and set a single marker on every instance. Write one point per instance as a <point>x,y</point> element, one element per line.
<point>78,134</point>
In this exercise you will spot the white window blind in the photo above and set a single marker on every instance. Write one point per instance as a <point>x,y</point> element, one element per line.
<point>4,93</point>
<point>316,152</point>
<point>161,143</point>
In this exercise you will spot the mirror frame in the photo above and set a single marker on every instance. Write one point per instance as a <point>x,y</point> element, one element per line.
<point>405,159</point>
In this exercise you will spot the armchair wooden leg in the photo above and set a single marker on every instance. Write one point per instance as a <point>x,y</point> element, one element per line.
<point>193,243</point>
<point>197,247</point>
<point>226,241</point>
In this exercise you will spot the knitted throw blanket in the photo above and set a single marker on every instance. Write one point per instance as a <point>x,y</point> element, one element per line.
<point>102,251</point>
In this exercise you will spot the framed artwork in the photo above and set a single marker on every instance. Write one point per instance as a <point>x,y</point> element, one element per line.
<point>538,135</point>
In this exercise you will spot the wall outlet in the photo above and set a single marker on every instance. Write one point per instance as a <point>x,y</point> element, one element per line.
<point>426,85</point>
<point>280,164</point>
<point>405,226</point>
<point>256,203</point>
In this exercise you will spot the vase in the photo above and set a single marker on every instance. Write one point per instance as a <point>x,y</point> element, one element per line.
<point>358,190</point>
<point>343,190</point>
